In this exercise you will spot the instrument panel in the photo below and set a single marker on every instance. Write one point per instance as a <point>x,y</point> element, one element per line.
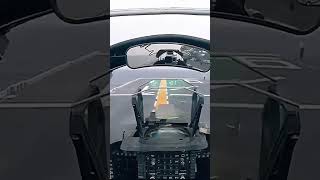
<point>157,165</point>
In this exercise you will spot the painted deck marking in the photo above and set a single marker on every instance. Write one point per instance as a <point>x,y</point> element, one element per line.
<point>162,95</point>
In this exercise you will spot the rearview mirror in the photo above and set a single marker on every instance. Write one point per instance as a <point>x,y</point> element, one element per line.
<point>309,2</point>
<point>81,11</point>
<point>160,54</point>
<point>294,16</point>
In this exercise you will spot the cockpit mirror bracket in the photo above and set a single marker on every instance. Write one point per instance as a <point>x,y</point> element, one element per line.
<point>86,138</point>
<point>197,103</point>
<point>277,167</point>
<point>281,129</point>
<point>137,104</point>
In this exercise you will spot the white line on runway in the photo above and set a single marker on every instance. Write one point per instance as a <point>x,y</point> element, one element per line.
<point>266,61</point>
<point>145,88</point>
<point>260,80</point>
<point>145,94</point>
<point>237,105</point>
<point>206,95</point>
<point>259,106</point>
<point>310,106</point>
<point>19,86</point>
<point>125,84</point>
<point>285,65</point>
<point>193,81</point>
<point>180,94</point>
<point>34,105</point>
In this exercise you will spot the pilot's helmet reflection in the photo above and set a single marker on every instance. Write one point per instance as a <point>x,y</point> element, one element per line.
<point>168,60</point>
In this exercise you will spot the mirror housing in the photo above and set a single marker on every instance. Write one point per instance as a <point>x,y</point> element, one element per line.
<point>86,10</point>
<point>309,2</point>
<point>290,16</point>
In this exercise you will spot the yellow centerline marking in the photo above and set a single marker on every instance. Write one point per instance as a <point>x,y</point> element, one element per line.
<point>162,97</point>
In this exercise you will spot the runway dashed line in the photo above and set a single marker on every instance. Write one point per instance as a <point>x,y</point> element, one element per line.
<point>162,95</point>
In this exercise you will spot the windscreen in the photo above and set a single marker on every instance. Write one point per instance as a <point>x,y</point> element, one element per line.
<point>168,100</point>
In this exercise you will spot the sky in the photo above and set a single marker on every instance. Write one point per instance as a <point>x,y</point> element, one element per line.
<point>124,28</point>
